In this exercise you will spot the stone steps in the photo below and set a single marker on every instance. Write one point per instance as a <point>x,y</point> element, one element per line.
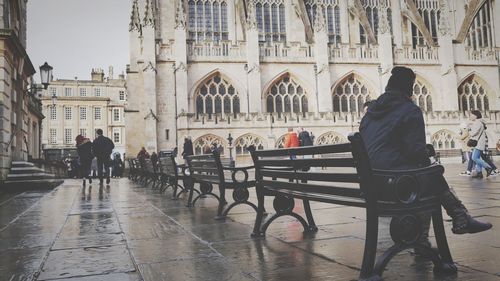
<point>25,175</point>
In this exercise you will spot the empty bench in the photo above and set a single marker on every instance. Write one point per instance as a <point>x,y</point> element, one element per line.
<point>208,170</point>
<point>350,181</point>
<point>171,174</point>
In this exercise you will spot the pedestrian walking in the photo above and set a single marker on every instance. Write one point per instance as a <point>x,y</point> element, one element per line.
<point>478,142</point>
<point>84,150</point>
<point>187,148</point>
<point>464,136</point>
<point>488,159</point>
<point>143,154</point>
<point>117,166</point>
<point>393,130</point>
<point>291,139</point>
<point>103,147</point>
<point>304,138</point>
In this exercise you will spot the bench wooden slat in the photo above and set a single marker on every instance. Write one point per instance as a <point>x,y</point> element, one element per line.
<point>325,198</point>
<point>306,150</point>
<point>319,189</point>
<point>205,170</point>
<point>206,178</point>
<point>329,177</point>
<point>317,162</point>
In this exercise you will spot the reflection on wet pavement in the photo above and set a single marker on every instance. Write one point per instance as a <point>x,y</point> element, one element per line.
<point>128,232</point>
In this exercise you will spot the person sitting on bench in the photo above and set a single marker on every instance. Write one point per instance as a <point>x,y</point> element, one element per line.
<point>393,130</point>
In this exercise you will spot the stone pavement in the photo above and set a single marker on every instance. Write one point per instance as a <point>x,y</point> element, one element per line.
<point>128,232</point>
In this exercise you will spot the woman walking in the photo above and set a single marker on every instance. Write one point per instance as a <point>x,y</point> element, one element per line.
<point>478,141</point>
<point>84,149</point>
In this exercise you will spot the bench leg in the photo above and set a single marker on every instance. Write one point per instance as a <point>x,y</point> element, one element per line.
<point>370,251</point>
<point>222,203</point>
<point>310,219</point>
<point>447,265</point>
<point>260,213</point>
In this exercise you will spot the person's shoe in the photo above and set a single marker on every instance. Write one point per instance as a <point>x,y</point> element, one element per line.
<point>465,174</point>
<point>90,180</point>
<point>108,180</point>
<point>462,221</point>
<point>488,171</point>
<point>478,176</point>
<point>494,173</point>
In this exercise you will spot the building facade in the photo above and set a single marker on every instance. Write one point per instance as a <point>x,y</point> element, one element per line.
<point>253,68</point>
<point>82,107</point>
<point>20,108</point>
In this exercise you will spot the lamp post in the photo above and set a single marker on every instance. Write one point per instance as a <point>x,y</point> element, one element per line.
<point>175,105</point>
<point>248,94</point>
<point>379,69</point>
<point>230,142</point>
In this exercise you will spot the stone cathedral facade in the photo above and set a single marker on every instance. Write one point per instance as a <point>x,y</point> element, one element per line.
<point>253,68</point>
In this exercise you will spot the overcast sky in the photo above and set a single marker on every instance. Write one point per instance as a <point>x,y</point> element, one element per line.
<point>75,36</point>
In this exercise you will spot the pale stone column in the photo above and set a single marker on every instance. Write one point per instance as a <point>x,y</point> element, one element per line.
<point>446,97</point>
<point>344,21</point>
<point>180,72</point>
<point>322,97</point>
<point>384,48</point>
<point>149,76</point>
<point>134,36</point>
<point>254,99</point>
<point>397,23</point>
<point>231,19</point>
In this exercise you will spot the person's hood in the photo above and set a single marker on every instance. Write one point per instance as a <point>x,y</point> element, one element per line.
<point>386,103</point>
<point>84,141</point>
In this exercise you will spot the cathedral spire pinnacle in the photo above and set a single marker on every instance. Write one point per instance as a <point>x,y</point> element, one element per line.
<point>149,14</point>
<point>444,24</point>
<point>251,20</point>
<point>135,23</point>
<point>319,20</point>
<point>180,17</point>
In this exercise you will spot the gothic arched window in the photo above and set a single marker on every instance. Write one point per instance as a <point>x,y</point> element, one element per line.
<point>286,95</point>
<point>372,10</point>
<point>242,143</point>
<point>271,22</point>
<point>472,95</point>
<point>217,95</point>
<point>350,95</point>
<point>204,144</point>
<point>207,20</point>
<point>443,139</point>
<point>330,138</point>
<point>332,17</point>
<point>422,96</point>
<point>280,143</point>
<point>430,13</point>
<point>480,35</point>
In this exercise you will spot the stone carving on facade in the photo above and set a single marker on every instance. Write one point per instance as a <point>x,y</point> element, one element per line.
<point>204,144</point>
<point>149,19</point>
<point>330,138</point>
<point>180,16</point>
<point>181,67</point>
<point>151,115</point>
<point>242,143</point>
<point>443,139</point>
<point>251,19</point>
<point>444,24</point>
<point>135,22</point>
<point>319,20</point>
<point>383,24</point>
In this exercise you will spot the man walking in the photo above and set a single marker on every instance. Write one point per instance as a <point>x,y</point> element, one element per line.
<point>103,147</point>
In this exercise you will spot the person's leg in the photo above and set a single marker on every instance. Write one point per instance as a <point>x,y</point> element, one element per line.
<point>107,166</point>
<point>462,221</point>
<point>100,164</point>
<point>470,162</point>
<point>480,164</point>
<point>488,161</point>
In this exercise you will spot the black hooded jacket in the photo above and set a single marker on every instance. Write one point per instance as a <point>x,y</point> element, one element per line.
<point>394,132</point>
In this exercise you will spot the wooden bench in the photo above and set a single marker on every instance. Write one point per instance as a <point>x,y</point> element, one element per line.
<point>170,175</point>
<point>350,181</point>
<point>207,170</point>
<point>133,168</point>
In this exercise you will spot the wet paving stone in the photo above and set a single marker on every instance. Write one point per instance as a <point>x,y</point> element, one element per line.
<point>86,261</point>
<point>129,232</point>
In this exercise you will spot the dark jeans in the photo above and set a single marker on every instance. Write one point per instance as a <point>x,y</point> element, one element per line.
<point>85,168</point>
<point>103,163</point>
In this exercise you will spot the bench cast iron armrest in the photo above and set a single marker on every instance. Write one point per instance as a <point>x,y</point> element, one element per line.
<point>407,186</point>
<point>244,170</point>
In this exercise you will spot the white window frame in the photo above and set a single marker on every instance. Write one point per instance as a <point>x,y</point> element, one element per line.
<point>53,136</point>
<point>83,92</point>
<point>97,92</point>
<point>116,115</point>
<point>97,113</point>
<point>68,113</point>
<point>68,135</point>
<point>53,112</point>
<point>83,113</point>
<point>68,92</point>
<point>121,95</point>
<point>83,132</point>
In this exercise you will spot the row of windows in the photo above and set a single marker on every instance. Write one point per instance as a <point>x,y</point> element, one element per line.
<point>217,95</point>
<point>69,136</point>
<point>68,113</point>
<point>68,92</point>
<point>208,20</point>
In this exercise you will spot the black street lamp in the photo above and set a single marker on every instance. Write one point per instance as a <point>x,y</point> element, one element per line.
<point>46,74</point>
